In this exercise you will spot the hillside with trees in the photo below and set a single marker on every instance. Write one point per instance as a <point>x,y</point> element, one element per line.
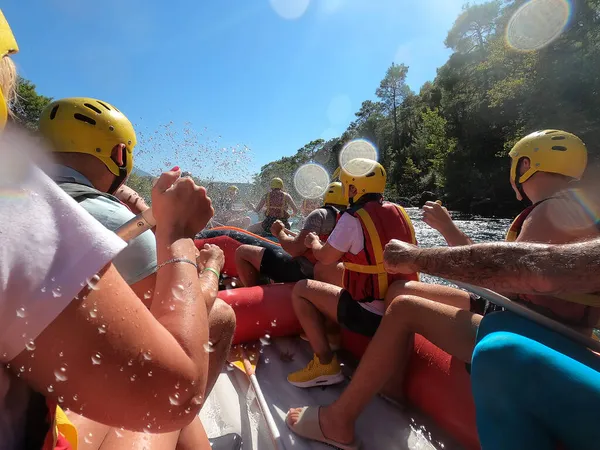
<point>453,136</point>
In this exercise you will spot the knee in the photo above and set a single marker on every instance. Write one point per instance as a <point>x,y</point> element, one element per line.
<point>222,319</point>
<point>241,253</point>
<point>298,292</point>
<point>496,360</point>
<point>403,306</point>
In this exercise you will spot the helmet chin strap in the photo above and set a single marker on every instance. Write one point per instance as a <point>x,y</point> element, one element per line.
<point>119,180</point>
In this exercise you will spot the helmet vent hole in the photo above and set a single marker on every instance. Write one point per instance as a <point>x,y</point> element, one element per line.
<point>84,118</point>
<point>93,108</point>
<point>369,175</point>
<point>558,138</point>
<point>107,108</point>
<point>551,132</point>
<point>560,148</point>
<point>53,112</point>
<point>98,150</point>
<point>111,128</point>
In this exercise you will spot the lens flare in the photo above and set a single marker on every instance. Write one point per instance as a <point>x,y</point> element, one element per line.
<point>290,9</point>
<point>537,23</point>
<point>311,180</point>
<point>358,148</point>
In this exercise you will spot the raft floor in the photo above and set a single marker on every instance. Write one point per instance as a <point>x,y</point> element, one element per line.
<point>232,408</point>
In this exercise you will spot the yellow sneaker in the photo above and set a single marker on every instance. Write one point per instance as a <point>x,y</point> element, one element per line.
<point>317,374</point>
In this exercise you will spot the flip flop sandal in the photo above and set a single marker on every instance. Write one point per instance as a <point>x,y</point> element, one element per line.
<point>308,427</point>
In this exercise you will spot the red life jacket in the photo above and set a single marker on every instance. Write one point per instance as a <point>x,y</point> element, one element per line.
<point>322,237</point>
<point>364,275</point>
<point>276,205</point>
<point>567,309</point>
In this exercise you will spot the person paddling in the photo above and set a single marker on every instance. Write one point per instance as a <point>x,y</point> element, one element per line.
<point>357,240</point>
<point>277,204</point>
<point>543,165</point>
<point>295,262</point>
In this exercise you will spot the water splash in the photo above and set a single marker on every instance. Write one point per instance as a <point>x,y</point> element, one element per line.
<point>537,23</point>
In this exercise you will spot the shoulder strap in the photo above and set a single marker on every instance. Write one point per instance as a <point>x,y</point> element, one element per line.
<point>80,192</point>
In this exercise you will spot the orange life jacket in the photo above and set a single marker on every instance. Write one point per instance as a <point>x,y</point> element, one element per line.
<point>276,205</point>
<point>322,237</point>
<point>364,275</point>
<point>562,307</point>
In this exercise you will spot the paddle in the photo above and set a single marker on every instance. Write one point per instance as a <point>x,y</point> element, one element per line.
<point>534,316</point>
<point>136,226</point>
<point>246,361</point>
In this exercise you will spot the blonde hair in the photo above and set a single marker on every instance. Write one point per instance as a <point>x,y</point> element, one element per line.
<point>8,80</point>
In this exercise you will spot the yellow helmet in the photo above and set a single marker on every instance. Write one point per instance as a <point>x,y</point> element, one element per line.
<point>366,175</point>
<point>8,46</point>
<point>276,183</point>
<point>552,151</point>
<point>334,195</point>
<point>232,188</point>
<point>86,125</point>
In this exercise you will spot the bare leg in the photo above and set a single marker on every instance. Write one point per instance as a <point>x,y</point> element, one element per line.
<point>434,292</point>
<point>314,302</point>
<point>450,328</point>
<point>256,228</point>
<point>221,323</point>
<point>128,440</point>
<point>193,437</point>
<point>247,260</point>
<point>331,274</point>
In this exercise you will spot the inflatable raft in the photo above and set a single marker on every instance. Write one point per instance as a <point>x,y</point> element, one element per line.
<point>437,385</point>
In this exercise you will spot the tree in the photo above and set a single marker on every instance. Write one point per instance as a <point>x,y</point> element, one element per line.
<point>392,91</point>
<point>142,185</point>
<point>473,27</point>
<point>29,104</point>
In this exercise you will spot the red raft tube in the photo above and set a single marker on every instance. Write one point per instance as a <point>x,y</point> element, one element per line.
<point>437,383</point>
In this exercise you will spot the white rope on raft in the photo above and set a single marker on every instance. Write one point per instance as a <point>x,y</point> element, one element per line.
<point>527,313</point>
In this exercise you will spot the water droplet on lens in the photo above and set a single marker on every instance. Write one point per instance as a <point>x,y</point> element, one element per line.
<point>61,399</point>
<point>56,293</point>
<point>172,307</point>
<point>150,373</point>
<point>147,355</point>
<point>274,323</point>
<point>92,282</point>
<point>265,340</point>
<point>21,313</point>
<point>30,346</point>
<point>197,400</point>
<point>208,347</point>
<point>50,388</point>
<point>96,359</point>
<point>119,433</point>
<point>178,292</point>
<point>75,397</point>
<point>88,438</point>
<point>60,355</point>
<point>132,378</point>
<point>266,360</point>
<point>229,367</point>
<point>94,313</point>
<point>61,374</point>
<point>147,295</point>
<point>174,399</point>
<point>102,329</point>
<point>43,289</point>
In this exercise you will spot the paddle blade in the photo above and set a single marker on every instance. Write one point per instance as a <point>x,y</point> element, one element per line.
<point>237,354</point>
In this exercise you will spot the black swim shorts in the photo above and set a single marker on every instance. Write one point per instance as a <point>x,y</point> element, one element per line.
<point>355,318</point>
<point>280,267</point>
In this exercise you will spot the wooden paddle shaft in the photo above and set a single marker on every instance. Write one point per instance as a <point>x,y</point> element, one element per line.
<point>534,316</point>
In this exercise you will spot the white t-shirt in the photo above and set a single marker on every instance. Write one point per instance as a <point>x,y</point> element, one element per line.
<point>347,236</point>
<point>49,246</point>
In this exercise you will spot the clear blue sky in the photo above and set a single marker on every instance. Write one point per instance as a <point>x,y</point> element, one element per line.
<point>268,74</point>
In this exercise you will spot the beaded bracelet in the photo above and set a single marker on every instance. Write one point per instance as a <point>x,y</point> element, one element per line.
<point>177,260</point>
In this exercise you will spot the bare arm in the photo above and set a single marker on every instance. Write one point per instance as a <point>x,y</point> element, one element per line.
<point>111,359</point>
<point>512,267</point>
<point>294,245</point>
<point>323,253</point>
<point>438,218</point>
<point>292,204</point>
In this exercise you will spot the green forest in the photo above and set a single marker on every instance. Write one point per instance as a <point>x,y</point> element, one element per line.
<point>452,137</point>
